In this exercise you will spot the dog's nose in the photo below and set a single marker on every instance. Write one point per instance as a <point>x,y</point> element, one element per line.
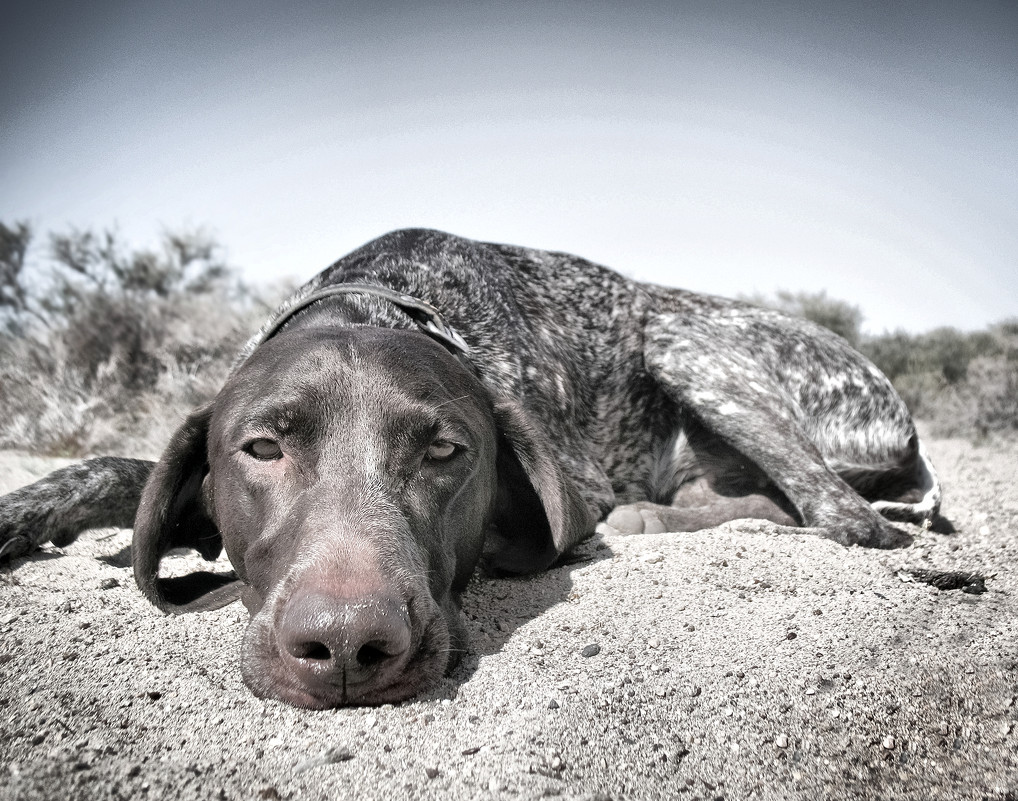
<point>344,646</point>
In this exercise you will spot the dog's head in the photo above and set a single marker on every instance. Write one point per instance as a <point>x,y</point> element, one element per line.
<point>353,476</point>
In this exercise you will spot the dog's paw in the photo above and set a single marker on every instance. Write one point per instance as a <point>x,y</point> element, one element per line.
<point>868,532</point>
<point>24,518</point>
<point>15,546</point>
<point>639,518</point>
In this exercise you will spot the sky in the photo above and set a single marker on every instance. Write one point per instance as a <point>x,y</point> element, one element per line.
<point>869,150</point>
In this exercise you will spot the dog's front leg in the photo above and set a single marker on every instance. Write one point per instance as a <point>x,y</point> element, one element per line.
<point>97,493</point>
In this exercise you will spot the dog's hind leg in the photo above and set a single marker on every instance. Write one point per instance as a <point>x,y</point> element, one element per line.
<point>700,482</point>
<point>97,493</point>
<point>729,373</point>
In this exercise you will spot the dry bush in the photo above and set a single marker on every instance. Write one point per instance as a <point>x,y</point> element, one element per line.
<point>961,384</point>
<point>105,350</point>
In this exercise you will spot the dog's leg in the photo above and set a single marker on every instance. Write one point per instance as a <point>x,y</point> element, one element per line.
<point>724,374</point>
<point>701,483</point>
<point>97,493</point>
<point>645,517</point>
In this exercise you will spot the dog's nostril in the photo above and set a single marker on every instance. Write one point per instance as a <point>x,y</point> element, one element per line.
<point>370,654</point>
<point>313,650</point>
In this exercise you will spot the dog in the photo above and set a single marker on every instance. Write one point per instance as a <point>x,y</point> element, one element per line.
<point>430,402</point>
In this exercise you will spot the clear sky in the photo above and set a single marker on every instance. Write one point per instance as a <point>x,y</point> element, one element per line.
<point>868,149</point>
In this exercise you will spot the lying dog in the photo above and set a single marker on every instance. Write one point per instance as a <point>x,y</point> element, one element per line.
<point>429,401</point>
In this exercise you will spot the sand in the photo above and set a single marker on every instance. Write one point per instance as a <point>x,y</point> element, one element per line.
<point>748,661</point>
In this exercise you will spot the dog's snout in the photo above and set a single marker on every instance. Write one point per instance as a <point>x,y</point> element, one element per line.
<point>344,645</point>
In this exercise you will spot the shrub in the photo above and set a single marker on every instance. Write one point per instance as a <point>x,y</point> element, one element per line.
<point>103,348</point>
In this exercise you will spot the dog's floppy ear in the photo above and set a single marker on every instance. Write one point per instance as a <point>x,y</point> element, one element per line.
<point>172,514</point>
<point>540,514</point>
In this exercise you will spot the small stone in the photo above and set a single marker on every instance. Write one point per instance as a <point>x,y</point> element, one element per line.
<point>330,756</point>
<point>653,557</point>
<point>781,741</point>
<point>791,635</point>
<point>693,691</point>
<point>431,772</point>
<point>109,583</point>
<point>943,729</point>
<point>590,650</point>
<point>888,743</point>
<point>553,704</point>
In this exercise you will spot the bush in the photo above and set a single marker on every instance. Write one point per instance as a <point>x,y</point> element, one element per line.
<point>105,349</point>
<point>961,383</point>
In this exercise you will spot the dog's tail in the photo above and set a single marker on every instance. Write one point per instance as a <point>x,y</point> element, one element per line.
<point>925,509</point>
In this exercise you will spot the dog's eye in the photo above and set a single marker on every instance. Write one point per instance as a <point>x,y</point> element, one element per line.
<point>441,451</point>
<point>264,449</point>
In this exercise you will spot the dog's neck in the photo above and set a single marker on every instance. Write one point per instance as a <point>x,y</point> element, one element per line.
<point>426,316</point>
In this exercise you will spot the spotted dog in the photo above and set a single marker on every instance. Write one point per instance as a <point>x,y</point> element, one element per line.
<point>429,402</point>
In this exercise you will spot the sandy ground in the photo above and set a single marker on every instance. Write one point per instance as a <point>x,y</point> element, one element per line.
<point>743,662</point>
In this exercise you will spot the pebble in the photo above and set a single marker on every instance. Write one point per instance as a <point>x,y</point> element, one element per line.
<point>431,772</point>
<point>781,741</point>
<point>329,756</point>
<point>653,557</point>
<point>553,704</point>
<point>108,583</point>
<point>694,691</point>
<point>591,650</point>
<point>888,743</point>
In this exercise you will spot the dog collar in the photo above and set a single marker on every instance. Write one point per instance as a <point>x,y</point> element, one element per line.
<point>424,314</point>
